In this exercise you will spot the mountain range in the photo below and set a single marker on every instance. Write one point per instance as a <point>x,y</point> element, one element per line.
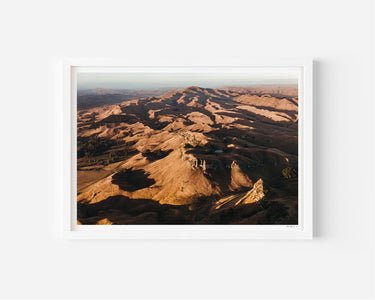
<point>190,156</point>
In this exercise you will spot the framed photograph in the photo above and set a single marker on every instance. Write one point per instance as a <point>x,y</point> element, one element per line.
<point>193,151</point>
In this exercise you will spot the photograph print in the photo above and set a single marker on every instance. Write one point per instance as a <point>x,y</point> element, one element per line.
<point>187,146</point>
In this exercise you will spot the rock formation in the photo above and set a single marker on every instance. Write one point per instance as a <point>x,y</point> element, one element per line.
<point>254,195</point>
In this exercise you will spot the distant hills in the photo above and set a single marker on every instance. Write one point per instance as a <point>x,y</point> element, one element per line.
<point>98,97</point>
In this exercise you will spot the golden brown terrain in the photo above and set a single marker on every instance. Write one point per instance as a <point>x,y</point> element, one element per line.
<point>191,156</point>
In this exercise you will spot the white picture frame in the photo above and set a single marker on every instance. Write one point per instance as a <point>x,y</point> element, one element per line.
<point>70,229</point>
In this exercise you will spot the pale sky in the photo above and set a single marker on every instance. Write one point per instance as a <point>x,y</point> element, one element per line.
<point>155,80</point>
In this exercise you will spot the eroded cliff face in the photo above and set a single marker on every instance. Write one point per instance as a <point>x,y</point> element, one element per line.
<point>255,194</point>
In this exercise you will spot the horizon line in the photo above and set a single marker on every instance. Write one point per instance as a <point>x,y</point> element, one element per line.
<point>188,86</point>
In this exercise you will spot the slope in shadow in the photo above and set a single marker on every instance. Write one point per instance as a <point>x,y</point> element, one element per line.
<point>122,210</point>
<point>156,155</point>
<point>131,180</point>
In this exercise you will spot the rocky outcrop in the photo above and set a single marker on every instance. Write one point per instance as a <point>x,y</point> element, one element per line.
<point>202,164</point>
<point>196,163</point>
<point>255,194</point>
<point>189,137</point>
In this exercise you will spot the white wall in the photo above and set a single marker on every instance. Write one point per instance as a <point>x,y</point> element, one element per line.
<point>338,263</point>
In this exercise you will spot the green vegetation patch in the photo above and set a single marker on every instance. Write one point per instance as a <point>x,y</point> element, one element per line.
<point>93,146</point>
<point>289,173</point>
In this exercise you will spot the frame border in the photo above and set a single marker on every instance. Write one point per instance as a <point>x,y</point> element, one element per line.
<point>302,231</point>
